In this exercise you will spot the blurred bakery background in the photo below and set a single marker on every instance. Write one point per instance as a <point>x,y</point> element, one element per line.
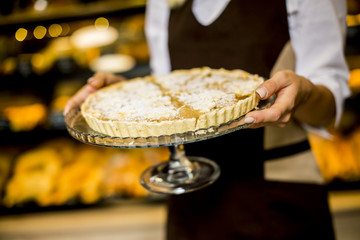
<point>49,48</point>
<point>53,187</point>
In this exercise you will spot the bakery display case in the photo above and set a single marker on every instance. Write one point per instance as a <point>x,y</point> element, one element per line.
<point>50,49</point>
<point>62,172</point>
<point>48,56</point>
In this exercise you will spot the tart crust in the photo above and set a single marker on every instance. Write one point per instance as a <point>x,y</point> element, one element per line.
<point>124,127</point>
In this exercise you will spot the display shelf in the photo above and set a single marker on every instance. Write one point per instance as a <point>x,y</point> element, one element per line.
<point>29,138</point>
<point>340,185</point>
<point>352,41</point>
<point>75,204</point>
<point>70,11</point>
<point>55,119</point>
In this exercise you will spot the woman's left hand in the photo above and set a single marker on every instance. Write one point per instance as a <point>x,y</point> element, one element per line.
<point>296,98</point>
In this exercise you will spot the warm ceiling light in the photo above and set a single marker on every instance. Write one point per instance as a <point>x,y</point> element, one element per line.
<point>113,63</point>
<point>39,32</point>
<point>90,37</point>
<point>40,5</point>
<point>55,30</point>
<point>101,23</point>
<point>21,34</point>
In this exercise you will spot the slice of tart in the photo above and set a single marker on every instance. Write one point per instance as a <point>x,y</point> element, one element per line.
<point>181,101</point>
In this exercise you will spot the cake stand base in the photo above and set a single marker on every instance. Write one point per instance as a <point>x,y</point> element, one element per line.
<point>161,178</point>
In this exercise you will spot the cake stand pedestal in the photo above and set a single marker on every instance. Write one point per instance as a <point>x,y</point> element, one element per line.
<point>180,174</point>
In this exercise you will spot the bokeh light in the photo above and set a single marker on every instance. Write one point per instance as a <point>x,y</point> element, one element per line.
<point>55,30</point>
<point>65,29</point>
<point>21,34</point>
<point>101,23</point>
<point>39,32</point>
<point>40,5</point>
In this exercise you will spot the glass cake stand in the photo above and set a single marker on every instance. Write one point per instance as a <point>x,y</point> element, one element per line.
<point>181,174</point>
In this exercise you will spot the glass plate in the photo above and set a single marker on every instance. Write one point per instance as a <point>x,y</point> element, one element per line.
<point>79,129</point>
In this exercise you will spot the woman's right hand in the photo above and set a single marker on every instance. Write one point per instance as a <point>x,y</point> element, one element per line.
<point>94,83</point>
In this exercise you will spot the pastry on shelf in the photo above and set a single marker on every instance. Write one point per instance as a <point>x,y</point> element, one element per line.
<point>23,112</point>
<point>34,177</point>
<point>61,172</point>
<point>338,157</point>
<point>124,167</point>
<point>26,118</point>
<point>64,146</point>
<point>81,177</point>
<point>354,80</point>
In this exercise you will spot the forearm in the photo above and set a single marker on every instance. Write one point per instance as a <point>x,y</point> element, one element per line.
<point>318,109</point>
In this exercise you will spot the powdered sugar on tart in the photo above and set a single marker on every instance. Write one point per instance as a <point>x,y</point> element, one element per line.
<point>184,100</point>
<point>137,100</point>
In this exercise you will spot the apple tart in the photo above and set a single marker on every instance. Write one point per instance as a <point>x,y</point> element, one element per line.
<point>178,102</point>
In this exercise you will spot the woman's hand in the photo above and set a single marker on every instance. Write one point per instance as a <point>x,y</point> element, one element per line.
<point>94,83</point>
<point>296,98</point>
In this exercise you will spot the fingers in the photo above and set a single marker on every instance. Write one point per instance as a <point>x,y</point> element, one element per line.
<point>279,81</point>
<point>94,83</point>
<point>100,79</point>
<point>279,114</point>
<point>273,116</point>
<point>285,86</point>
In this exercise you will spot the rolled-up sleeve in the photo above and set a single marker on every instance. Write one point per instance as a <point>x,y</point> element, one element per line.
<point>317,32</point>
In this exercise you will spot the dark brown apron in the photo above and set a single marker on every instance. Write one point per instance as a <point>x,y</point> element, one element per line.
<point>248,35</point>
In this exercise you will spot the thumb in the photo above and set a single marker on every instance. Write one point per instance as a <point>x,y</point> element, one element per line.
<point>271,86</point>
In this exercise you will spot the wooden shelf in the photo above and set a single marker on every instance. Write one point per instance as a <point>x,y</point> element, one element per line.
<point>69,12</point>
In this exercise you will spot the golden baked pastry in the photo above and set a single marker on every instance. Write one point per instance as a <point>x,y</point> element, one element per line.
<point>181,101</point>
<point>60,172</point>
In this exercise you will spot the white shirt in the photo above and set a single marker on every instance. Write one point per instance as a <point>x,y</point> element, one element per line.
<point>317,33</point>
